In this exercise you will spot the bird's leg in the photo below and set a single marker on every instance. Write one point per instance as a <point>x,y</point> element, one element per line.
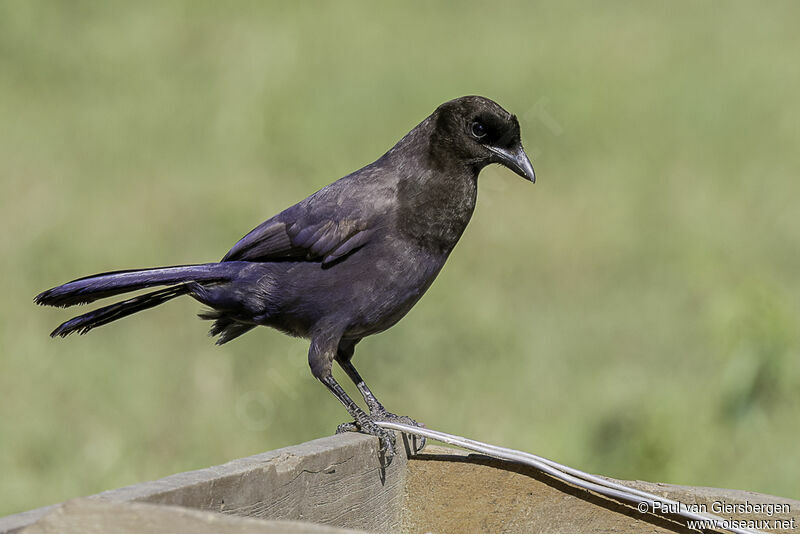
<point>321,361</point>
<point>344,356</point>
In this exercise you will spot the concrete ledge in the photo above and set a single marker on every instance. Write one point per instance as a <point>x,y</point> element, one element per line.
<point>338,481</point>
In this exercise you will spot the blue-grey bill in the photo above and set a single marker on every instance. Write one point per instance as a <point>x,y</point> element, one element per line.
<point>516,160</point>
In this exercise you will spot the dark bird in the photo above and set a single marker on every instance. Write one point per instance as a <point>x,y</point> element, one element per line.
<point>347,262</point>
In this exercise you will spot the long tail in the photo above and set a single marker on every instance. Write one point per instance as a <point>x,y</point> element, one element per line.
<point>84,290</point>
<point>99,317</point>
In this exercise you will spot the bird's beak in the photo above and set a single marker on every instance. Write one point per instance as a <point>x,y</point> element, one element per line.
<point>516,160</point>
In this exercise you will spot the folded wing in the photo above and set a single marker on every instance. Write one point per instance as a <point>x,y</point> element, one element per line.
<point>324,240</point>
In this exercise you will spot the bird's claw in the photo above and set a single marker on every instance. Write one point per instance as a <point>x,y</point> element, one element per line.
<point>417,442</point>
<point>347,427</point>
<point>367,426</point>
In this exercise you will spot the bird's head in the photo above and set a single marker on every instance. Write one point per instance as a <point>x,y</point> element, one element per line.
<point>479,132</point>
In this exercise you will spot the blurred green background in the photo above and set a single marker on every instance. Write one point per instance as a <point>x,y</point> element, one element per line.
<point>635,313</point>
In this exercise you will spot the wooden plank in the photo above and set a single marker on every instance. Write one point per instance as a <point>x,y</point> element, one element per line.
<point>336,480</point>
<point>450,491</point>
<point>92,516</point>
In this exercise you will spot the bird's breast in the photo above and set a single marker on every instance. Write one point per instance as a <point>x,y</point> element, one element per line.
<point>397,277</point>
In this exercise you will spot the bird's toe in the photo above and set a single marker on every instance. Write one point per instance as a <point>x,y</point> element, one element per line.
<point>347,427</point>
<point>417,442</point>
<point>387,437</point>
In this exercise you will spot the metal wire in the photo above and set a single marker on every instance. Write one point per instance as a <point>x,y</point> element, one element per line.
<point>572,476</point>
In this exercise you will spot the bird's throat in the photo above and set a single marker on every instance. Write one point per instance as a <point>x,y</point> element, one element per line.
<point>435,208</point>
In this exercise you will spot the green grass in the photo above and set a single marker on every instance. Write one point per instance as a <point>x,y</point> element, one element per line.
<point>635,313</point>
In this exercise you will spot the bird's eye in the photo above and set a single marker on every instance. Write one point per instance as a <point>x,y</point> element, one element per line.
<point>478,130</point>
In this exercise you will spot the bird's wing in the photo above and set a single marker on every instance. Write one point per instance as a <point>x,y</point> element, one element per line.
<point>313,230</point>
<point>330,224</point>
<point>325,241</point>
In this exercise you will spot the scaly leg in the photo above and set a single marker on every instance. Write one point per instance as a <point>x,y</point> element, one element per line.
<point>344,356</point>
<point>320,361</point>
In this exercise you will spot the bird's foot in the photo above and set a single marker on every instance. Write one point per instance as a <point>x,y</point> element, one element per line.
<point>368,426</point>
<point>417,442</point>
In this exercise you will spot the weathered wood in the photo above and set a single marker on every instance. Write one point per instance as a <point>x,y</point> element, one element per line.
<point>91,516</point>
<point>338,481</point>
<point>450,491</point>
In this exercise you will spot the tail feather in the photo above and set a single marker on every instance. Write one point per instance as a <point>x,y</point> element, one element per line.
<point>118,310</point>
<point>183,279</point>
<point>98,286</point>
<point>225,327</point>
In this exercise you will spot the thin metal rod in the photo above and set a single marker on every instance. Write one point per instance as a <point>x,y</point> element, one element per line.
<point>645,501</point>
